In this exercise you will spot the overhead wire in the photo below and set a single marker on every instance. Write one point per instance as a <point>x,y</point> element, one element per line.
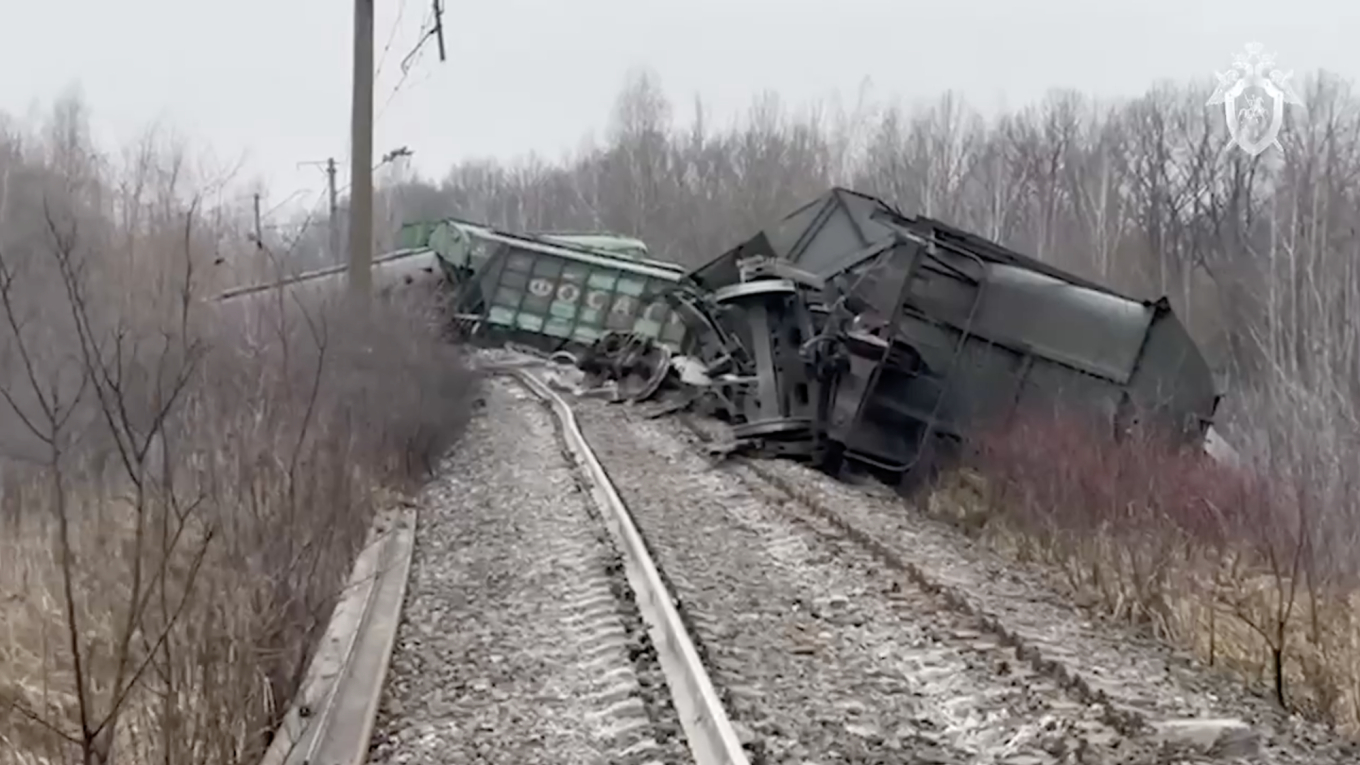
<point>302,227</point>
<point>313,210</point>
<point>391,38</point>
<point>430,26</point>
<point>339,191</point>
<point>265,215</point>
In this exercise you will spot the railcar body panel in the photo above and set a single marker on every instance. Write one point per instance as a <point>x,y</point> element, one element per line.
<point>923,331</point>
<point>554,290</point>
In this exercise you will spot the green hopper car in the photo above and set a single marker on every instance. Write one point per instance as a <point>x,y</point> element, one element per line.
<point>551,290</point>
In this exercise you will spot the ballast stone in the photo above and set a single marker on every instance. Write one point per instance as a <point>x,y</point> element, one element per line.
<point>1222,737</point>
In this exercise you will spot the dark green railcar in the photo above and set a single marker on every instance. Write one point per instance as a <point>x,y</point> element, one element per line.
<point>863,332</point>
<point>551,290</point>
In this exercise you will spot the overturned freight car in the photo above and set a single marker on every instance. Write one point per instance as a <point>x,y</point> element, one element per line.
<point>852,331</point>
<point>552,291</point>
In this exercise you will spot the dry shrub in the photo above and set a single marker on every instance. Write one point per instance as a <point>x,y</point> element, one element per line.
<point>1225,560</point>
<point>231,525</point>
<point>185,486</point>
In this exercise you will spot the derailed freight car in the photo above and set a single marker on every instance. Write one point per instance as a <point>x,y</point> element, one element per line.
<point>553,291</point>
<point>851,330</point>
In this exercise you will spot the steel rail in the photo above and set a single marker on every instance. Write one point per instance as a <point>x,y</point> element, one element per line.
<point>709,731</point>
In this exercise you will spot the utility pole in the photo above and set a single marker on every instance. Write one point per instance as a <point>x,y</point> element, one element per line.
<point>333,251</point>
<point>361,144</point>
<point>259,233</point>
<point>334,218</point>
<point>361,155</point>
<point>439,26</point>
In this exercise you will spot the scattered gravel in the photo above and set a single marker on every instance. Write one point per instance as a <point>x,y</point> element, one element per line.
<point>822,653</point>
<point>520,642</point>
<point>1140,684</point>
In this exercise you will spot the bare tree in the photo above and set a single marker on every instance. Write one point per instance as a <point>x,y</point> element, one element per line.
<point>188,490</point>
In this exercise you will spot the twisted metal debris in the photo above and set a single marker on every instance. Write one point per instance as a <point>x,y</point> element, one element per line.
<point>852,332</point>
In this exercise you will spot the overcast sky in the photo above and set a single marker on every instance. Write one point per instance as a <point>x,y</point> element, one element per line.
<point>269,80</point>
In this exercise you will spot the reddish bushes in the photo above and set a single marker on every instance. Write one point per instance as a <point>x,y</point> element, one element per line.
<point>1055,473</point>
<point>1231,562</point>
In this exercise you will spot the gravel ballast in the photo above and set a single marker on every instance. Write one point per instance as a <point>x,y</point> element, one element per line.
<point>1143,687</point>
<point>520,642</point>
<point>822,653</point>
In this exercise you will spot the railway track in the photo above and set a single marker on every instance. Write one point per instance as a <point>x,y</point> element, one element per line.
<point>533,629</point>
<point>596,591</point>
<point>523,639</point>
<point>822,652</point>
<point>1100,692</point>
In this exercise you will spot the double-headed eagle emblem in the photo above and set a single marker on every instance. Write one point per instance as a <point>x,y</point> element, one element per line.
<point>1253,93</point>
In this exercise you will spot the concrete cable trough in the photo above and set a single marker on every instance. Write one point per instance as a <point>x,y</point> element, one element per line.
<point>332,719</point>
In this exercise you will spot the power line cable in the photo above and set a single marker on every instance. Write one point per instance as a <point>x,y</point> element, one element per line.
<point>435,23</point>
<point>267,213</point>
<point>392,37</point>
<point>431,26</point>
<point>407,64</point>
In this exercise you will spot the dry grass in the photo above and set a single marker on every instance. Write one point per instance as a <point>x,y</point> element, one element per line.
<point>247,527</point>
<point>183,489</point>
<point>244,527</point>
<point>1230,563</point>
